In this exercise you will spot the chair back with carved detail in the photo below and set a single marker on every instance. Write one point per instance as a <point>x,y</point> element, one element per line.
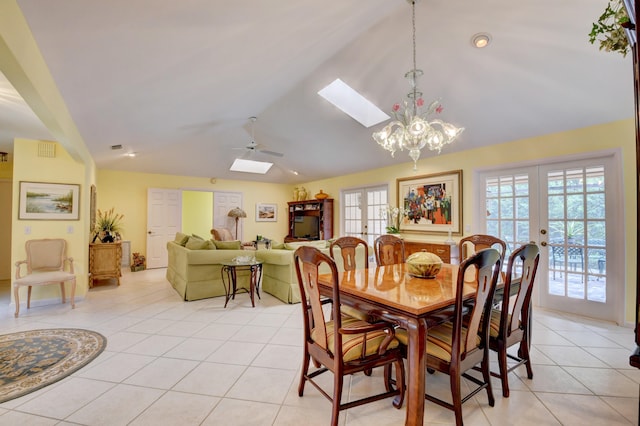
<point>348,246</point>
<point>389,250</point>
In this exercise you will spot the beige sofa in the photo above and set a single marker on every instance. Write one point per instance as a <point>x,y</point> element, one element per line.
<point>195,273</point>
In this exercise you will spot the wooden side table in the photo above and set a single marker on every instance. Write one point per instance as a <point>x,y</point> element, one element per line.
<point>105,261</point>
<point>229,271</point>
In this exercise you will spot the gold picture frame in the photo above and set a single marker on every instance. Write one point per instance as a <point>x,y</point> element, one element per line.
<point>431,203</point>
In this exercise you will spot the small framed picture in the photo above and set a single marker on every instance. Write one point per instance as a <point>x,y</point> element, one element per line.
<point>266,212</point>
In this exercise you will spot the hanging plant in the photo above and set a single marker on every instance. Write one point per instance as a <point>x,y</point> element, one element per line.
<point>609,30</point>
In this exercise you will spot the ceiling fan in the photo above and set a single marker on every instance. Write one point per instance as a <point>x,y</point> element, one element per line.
<point>256,147</point>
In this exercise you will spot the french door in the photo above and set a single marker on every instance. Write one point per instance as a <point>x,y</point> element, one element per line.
<point>570,210</point>
<point>363,212</point>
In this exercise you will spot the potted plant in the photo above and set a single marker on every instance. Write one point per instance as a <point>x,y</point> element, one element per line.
<point>108,225</point>
<point>609,29</point>
<point>394,216</point>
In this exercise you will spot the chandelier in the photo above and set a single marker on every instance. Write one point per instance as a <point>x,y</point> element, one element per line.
<point>411,129</point>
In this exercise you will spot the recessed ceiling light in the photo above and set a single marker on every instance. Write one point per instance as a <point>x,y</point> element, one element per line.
<point>130,154</point>
<point>250,166</point>
<point>480,40</point>
<point>352,103</point>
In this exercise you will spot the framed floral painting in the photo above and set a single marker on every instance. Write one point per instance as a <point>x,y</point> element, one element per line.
<point>431,203</point>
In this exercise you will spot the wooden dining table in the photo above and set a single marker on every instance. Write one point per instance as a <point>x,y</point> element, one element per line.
<point>410,302</point>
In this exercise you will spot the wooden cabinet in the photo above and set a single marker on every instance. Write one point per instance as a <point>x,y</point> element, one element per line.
<point>310,220</point>
<point>448,252</point>
<point>105,261</point>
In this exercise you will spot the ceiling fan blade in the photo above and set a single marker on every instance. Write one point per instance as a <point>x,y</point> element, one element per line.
<point>275,154</point>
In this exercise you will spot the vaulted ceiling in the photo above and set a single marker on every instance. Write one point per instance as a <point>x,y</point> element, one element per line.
<point>176,81</point>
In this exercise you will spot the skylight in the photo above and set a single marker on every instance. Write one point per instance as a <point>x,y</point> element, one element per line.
<point>353,103</point>
<point>250,166</point>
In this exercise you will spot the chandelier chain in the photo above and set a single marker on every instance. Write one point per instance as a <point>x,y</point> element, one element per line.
<point>413,26</point>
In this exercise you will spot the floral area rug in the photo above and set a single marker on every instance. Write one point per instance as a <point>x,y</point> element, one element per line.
<point>31,360</point>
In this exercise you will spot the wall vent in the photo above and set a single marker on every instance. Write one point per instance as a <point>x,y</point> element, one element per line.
<point>114,147</point>
<point>46,149</point>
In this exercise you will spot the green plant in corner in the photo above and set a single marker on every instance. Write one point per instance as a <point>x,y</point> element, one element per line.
<point>609,29</point>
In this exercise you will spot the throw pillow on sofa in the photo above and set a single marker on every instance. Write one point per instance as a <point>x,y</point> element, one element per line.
<point>181,238</point>
<point>277,245</point>
<point>196,244</point>
<point>228,245</point>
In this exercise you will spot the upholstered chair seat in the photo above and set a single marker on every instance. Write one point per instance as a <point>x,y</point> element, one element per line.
<point>354,346</point>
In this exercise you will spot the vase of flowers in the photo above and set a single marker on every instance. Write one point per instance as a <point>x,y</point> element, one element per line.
<point>108,226</point>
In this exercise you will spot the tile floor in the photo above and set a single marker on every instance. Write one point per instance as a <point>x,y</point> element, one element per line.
<point>170,362</point>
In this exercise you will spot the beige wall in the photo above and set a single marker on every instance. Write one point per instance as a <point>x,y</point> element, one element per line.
<point>618,135</point>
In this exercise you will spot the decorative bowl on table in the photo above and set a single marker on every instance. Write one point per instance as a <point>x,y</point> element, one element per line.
<point>423,264</point>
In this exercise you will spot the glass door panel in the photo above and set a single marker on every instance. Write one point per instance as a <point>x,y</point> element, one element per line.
<point>364,212</point>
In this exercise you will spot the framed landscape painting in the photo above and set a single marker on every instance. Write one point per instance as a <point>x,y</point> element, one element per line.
<point>49,201</point>
<point>266,212</point>
<point>431,203</point>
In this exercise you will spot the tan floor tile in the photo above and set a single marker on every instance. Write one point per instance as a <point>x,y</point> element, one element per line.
<point>118,406</point>
<point>581,409</point>
<point>262,385</point>
<point>163,373</point>
<point>237,412</point>
<point>177,408</point>
<point>210,379</point>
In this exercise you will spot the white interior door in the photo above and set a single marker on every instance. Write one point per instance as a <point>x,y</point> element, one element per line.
<point>569,209</point>
<point>223,202</point>
<point>164,219</point>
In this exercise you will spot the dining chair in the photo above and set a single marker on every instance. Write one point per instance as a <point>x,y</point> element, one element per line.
<point>45,265</point>
<point>341,344</point>
<point>348,247</point>
<point>474,243</point>
<point>510,324</point>
<point>389,250</point>
<point>460,344</point>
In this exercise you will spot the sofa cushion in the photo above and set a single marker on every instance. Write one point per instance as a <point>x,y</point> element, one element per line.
<point>197,237</point>
<point>320,244</point>
<point>228,245</point>
<point>277,245</point>
<point>196,244</point>
<point>181,238</point>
